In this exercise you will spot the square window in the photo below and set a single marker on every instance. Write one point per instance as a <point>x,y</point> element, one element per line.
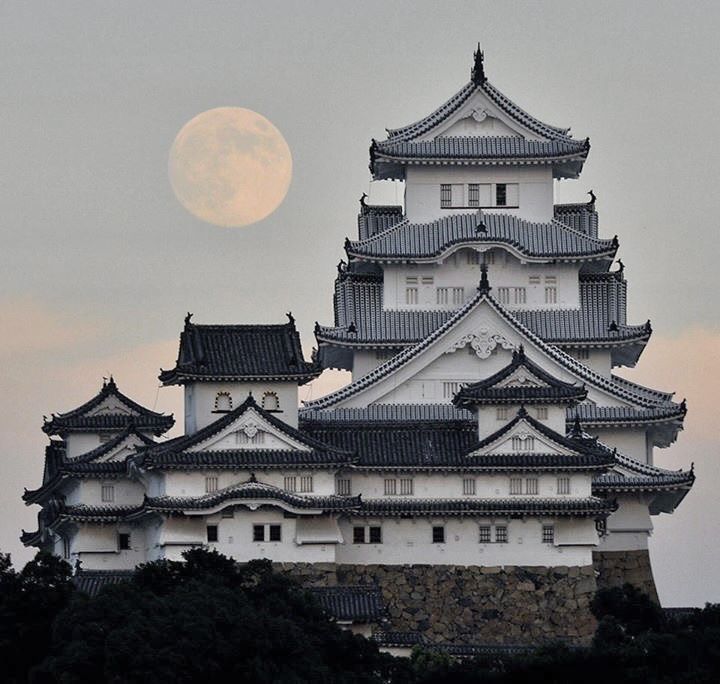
<point>211,485</point>
<point>123,541</point>
<point>212,533</point>
<point>504,295</point>
<point>107,493</point>
<point>438,534</point>
<point>473,195</point>
<point>551,295</point>
<point>542,412</point>
<point>275,533</point>
<point>290,483</point>
<point>548,534</point>
<point>390,487</point>
<point>406,487</point>
<point>516,485</point>
<point>531,485</point>
<point>358,535</point>
<point>343,487</point>
<point>306,483</point>
<point>501,534</point>
<point>485,534</point>
<point>469,486</point>
<point>563,485</point>
<point>375,535</point>
<point>411,295</point>
<point>258,533</point>
<point>502,413</point>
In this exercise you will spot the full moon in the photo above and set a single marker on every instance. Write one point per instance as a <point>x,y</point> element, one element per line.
<point>230,166</point>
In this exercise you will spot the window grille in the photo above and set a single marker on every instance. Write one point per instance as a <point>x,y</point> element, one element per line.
<point>501,534</point>
<point>212,533</point>
<point>390,487</point>
<point>548,534</point>
<point>123,541</point>
<point>542,412</point>
<point>306,483</point>
<point>445,196</point>
<point>428,280</point>
<point>270,401</point>
<point>534,280</point>
<point>504,295</point>
<point>473,195</point>
<point>563,485</point>
<point>502,413</point>
<point>211,485</point>
<point>501,195</point>
<point>469,486</point>
<point>531,485</point>
<point>342,487</point>
<point>551,280</point>
<point>275,533</point>
<point>520,444</point>
<point>550,295</point>
<point>442,295</point>
<point>107,493</point>
<point>520,295</point>
<point>223,402</point>
<point>258,533</point>
<point>516,485</point>
<point>438,534</point>
<point>411,280</point>
<point>450,389</point>
<point>411,295</point>
<point>290,483</point>
<point>375,533</point>
<point>458,295</point>
<point>485,534</point>
<point>406,486</point>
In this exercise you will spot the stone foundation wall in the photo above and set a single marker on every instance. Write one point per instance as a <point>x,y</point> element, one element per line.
<point>473,605</point>
<point>615,568</point>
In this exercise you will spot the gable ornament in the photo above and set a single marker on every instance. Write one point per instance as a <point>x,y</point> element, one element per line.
<point>484,341</point>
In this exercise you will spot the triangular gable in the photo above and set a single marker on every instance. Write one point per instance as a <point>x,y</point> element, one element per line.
<point>111,405</point>
<point>488,329</point>
<point>522,377</point>
<point>117,449</point>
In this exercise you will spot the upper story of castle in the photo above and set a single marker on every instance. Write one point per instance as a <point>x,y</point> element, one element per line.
<point>478,151</point>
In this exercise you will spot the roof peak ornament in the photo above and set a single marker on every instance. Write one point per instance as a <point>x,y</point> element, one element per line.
<point>291,318</point>
<point>478,71</point>
<point>484,286</point>
<point>188,318</point>
<point>593,197</point>
<point>577,431</point>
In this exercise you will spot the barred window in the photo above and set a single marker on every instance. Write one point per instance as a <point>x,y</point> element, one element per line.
<point>411,280</point>
<point>211,484</point>
<point>306,483</point>
<point>445,196</point>
<point>458,295</point>
<point>342,486</point>
<point>501,194</point>
<point>502,413</point>
<point>501,534</point>
<point>531,485</point>
<point>551,280</point>
<point>438,534</point>
<point>406,487</point>
<point>212,533</point>
<point>550,295</point>
<point>534,280</point>
<point>469,486</point>
<point>107,493</point>
<point>450,389</point>
<point>442,295</point>
<point>504,295</point>
<point>375,534</point>
<point>428,280</point>
<point>473,195</point>
<point>390,487</point>
<point>123,539</point>
<point>520,444</point>
<point>563,485</point>
<point>485,534</point>
<point>520,295</point>
<point>516,485</point>
<point>548,534</point>
<point>542,412</point>
<point>411,295</point>
<point>290,483</point>
<point>275,533</point>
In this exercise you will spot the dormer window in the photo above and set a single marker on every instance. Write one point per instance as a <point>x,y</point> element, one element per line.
<point>223,402</point>
<point>270,401</point>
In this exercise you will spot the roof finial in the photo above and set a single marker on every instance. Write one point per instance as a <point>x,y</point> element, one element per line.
<point>363,203</point>
<point>291,318</point>
<point>576,428</point>
<point>478,71</point>
<point>592,198</point>
<point>519,353</point>
<point>352,329</point>
<point>484,286</point>
<point>341,266</point>
<point>187,319</point>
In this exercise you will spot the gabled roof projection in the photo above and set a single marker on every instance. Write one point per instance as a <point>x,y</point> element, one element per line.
<point>523,139</point>
<point>188,452</point>
<point>240,353</point>
<point>109,409</point>
<point>351,603</point>
<point>520,382</point>
<point>434,240</point>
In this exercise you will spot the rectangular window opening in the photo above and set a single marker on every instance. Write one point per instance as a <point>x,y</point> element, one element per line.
<point>375,532</point>
<point>343,487</point>
<point>390,487</point>
<point>258,533</point>
<point>531,485</point>
<point>275,533</point>
<point>438,534</point>
<point>358,535</point>
<point>501,194</point>
<point>485,534</point>
<point>212,533</point>
<point>406,487</point>
<point>290,483</point>
<point>306,483</point>
<point>548,534</point>
<point>563,485</point>
<point>211,485</point>
<point>107,493</point>
<point>501,534</point>
<point>516,485</point>
<point>123,541</point>
<point>469,486</point>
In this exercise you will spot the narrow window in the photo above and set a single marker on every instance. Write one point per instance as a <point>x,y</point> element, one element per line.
<point>450,389</point>
<point>228,512</point>
<point>211,485</point>
<point>501,534</point>
<point>406,486</point>
<point>520,295</point>
<point>342,486</point>
<point>258,533</point>
<point>504,295</point>
<point>223,402</point>
<point>550,295</point>
<point>548,534</point>
<point>290,483</point>
<point>212,533</point>
<point>473,195</point>
<point>411,295</point>
<point>485,534</point>
<point>438,534</point>
<point>107,493</point>
<point>501,195</point>
<point>469,486</point>
<point>270,401</point>
<point>502,413</point>
<point>358,535</point>
<point>375,534</point>
<point>516,485</point>
<point>542,412</point>
<point>123,541</point>
<point>534,280</point>
<point>306,483</point>
<point>390,487</point>
<point>275,533</point>
<point>458,295</point>
<point>520,444</point>
<point>531,485</point>
<point>563,485</point>
<point>442,295</point>
<point>445,196</point>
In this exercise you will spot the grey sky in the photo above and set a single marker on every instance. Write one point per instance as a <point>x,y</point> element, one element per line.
<point>94,93</point>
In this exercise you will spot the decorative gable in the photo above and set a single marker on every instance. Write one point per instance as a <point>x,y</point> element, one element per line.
<point>523,438</point>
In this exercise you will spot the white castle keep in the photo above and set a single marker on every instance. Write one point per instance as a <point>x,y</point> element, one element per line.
<point>483,427</point>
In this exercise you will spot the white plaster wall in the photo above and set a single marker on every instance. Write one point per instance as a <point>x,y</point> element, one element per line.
<point>89,492</point>
<point>200,400</point>
<point>96,546</point>
<point>629,527</point>
<point>488,421</point>
<point>506,271</point>
<point>78,443</point>
<point>422,189</point>
<point>410,542</point>
<point>630,441</point>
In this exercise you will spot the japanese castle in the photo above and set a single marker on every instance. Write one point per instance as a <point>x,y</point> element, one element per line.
<point>484,471</point>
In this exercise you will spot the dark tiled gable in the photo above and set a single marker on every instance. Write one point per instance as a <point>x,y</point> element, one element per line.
<point>77,420</point>
<point>240,352</point>
<point>430,240</point>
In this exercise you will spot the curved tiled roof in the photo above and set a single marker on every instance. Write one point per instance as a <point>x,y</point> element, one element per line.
<point>351,603</point>
<point>78,419</point>
<point>245,459</point>
<point>90,582</point>
<point>599,416</point>
<point>429,241</point>
<point>240,352</point>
